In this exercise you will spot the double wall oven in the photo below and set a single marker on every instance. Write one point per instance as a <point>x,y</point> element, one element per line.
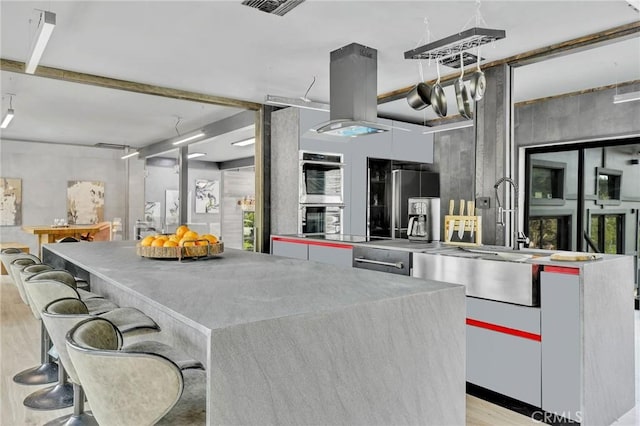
<point>321,200</point>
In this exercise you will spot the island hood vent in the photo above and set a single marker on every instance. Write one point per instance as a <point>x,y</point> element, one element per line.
<point>353,82</point>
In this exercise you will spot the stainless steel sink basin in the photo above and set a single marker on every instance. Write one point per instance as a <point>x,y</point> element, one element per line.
<point>488,274</point>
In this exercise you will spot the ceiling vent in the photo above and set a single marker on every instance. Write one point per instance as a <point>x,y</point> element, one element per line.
<point>274,7</point>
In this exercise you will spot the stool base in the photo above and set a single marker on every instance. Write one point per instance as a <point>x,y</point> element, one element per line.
<point>40,375</point>
<point>51,398</point>
<point>84,419</point>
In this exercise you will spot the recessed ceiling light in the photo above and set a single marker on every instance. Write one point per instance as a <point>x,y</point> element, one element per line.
<point>245,142</point>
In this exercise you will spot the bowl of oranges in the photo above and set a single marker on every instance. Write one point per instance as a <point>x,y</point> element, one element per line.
<point>184,243</point>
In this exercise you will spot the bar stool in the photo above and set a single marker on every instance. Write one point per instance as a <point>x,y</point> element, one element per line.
<point>127,388</point>
<point>43,288</point>
<point>17,265</point>
<point>62,315</point>
<point>7,255</point>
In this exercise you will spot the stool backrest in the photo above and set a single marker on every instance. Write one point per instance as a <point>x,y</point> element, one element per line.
<point>124,388</point>
<point>59,317</point>
<point>47,286</point>
<point>16,267</point>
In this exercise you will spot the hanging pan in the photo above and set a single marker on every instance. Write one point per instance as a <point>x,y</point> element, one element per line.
<point>463,98</point>
<point>438,98</point>
<point>420,96</point>
<point>478,82</point>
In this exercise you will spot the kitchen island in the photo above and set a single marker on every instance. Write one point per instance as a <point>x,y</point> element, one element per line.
<point>291,342</point>
<point>555,334</point>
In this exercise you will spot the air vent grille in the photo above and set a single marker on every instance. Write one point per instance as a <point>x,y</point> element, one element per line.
<point>454,61</point>
<point>274,7</point>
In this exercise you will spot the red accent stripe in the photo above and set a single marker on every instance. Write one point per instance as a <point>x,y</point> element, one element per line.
<point>505,330</point>
<point>562,270</point>
<point>312,243</point>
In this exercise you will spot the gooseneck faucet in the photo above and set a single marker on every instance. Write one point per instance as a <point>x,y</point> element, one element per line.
<point>519,236</point>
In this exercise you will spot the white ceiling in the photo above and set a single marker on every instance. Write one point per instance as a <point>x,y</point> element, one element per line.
<point>227,49</point>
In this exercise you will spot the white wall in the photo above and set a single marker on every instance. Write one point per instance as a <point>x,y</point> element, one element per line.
<point>45,170</point>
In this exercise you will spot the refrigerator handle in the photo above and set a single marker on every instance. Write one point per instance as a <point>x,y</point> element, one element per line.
<point>395,202</point>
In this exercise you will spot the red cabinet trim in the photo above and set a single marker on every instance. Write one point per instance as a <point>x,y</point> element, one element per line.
<point>505,330</point>
<point>562,270</point>
<point>312,243</point>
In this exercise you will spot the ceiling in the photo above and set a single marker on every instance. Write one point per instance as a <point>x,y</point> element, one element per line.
<point>226,49</point>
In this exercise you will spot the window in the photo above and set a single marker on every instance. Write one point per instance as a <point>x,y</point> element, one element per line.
<point>549,232</point>
<point>607,231</point>
<point>547,182</point>
<point>608,185</point>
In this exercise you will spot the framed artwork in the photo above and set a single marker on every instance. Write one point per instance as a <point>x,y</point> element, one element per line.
<point>85,202</point>
<point>207,196</point>
<point>10,202</point>
<point>172,207</point>
<point>152,213</point>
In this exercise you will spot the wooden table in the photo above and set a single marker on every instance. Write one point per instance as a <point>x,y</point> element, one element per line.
<point>50,234</point>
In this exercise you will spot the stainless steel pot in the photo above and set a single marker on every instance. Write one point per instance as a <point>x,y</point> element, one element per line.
<point>478,83</point>
<point>438,98</point>
<point>420,96</point>
<point>463,98</point>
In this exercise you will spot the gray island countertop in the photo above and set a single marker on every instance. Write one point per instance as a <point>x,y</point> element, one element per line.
<point>286,341</point>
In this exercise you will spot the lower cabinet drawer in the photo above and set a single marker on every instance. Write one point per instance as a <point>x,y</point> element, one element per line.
<point>390,261</point>
<point>504,351</point>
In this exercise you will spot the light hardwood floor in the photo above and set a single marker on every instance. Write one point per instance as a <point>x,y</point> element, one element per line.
<point>19,343</point>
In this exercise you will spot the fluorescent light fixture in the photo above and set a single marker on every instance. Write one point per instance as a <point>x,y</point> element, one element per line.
<point>189,138</point>
<point>43,33</point>
<point>245,142</point>
<point>196,155</point>
<point>7,118</point>
<point>129,155</point>
<point>626,97</point>
<point>295,102</point>
<point>450,126</point>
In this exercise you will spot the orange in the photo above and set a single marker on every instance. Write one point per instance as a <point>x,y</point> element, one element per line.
<point>190,235</point>
<point>146,241</point>
<point>162,237</point>
<point>181,230</point>
<point>211,238</point>
<point>174,238</point>
<point>170,243</point>
<point>158,242</point>
<point>201,243</point>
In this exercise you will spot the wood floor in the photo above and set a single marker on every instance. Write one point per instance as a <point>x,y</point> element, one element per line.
<point>19,349</point>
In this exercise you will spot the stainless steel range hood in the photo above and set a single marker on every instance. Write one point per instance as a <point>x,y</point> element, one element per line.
<point>353,83</point>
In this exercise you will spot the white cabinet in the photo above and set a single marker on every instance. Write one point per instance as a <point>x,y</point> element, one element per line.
<point>339,256</point>
<point>317,251</point>
<point>561,352</point>
<point>504,349</point>
<point>288,249</point>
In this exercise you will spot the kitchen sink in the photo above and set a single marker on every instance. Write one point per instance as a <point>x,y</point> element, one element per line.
<point>500,275</point>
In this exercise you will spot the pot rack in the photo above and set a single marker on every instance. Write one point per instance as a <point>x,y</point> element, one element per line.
<point>453,45</point>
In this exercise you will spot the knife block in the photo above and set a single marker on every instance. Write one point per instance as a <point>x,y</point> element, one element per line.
<point>470,222</point>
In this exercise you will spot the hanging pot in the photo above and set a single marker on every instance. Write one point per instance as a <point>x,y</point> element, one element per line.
<point>420,96</point>
<point>463,98</point>
<point>438,98</point>
<point>478,82</point>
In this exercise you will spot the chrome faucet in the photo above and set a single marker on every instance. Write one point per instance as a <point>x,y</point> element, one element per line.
<point>519,237</point>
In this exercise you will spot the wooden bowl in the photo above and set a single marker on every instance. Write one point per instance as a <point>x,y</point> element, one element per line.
<point>179,252</point>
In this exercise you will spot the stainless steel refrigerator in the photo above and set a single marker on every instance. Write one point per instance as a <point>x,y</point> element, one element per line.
<point>407,184</point>
<point>390,185</point>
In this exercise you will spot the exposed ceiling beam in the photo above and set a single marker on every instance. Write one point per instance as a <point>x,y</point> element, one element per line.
<point>130,86</point>
<point>590,41</point>
<point>235,122</point>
